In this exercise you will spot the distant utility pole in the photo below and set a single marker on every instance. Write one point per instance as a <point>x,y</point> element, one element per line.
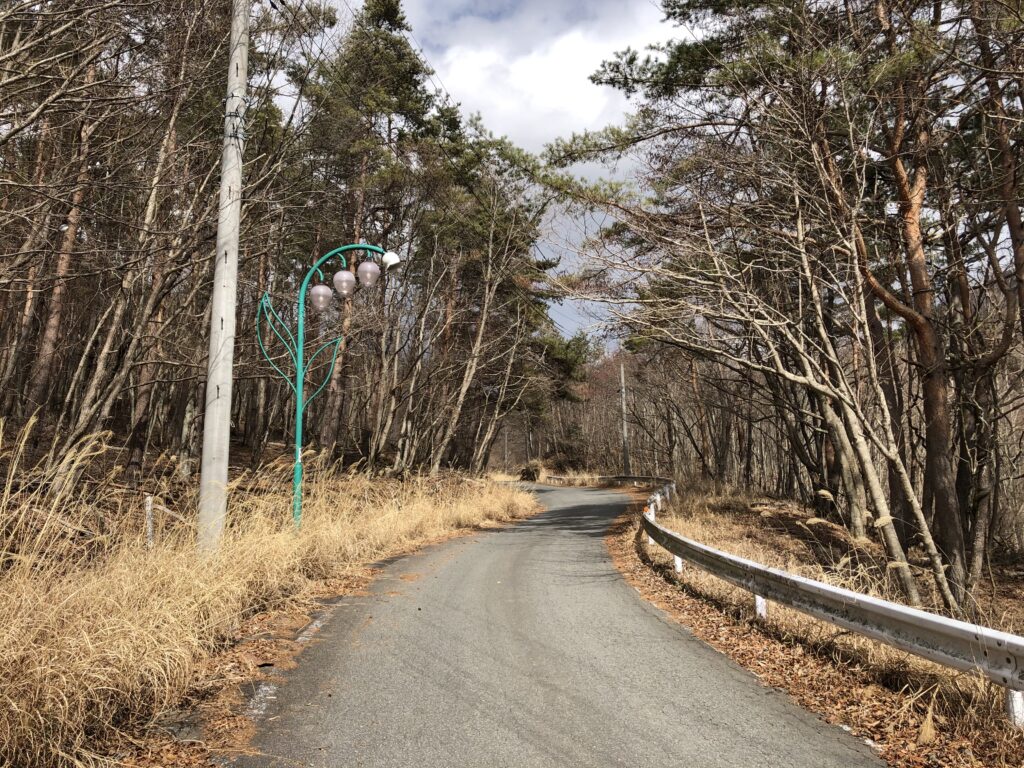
<point>626,468</point>
<point>213,478</point>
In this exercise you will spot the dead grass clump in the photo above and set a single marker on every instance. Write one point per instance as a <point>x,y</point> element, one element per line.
<point>571,478</point>
<point>577,479</point>
<point>533,472</point>
<point>502,477</point>
<point>102,640</point>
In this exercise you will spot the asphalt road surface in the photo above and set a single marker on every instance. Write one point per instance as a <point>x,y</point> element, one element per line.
<point>524,647</point>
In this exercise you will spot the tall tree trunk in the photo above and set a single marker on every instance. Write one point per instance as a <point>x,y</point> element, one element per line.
<point>46,349</point>
<point>885,364</point>
<point>940,472</point>
<point>468,374</point>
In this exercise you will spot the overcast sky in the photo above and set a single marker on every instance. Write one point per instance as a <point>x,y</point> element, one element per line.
<point>525,65</point>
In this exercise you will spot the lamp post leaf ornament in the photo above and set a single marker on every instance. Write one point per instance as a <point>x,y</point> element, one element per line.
<point>320,297</point>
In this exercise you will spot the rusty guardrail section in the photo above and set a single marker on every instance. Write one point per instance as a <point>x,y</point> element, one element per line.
<point>997,655</point>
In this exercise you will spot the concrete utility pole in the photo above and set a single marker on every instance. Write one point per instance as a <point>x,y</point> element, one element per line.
<point>213,478</point>
<point>626,468</point>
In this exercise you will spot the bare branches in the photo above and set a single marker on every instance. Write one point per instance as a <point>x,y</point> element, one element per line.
<point>848,241</point>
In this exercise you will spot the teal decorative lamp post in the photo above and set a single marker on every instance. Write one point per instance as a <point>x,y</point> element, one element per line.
<point>320,297</point>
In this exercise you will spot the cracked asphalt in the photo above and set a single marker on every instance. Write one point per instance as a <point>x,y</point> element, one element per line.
<point>524,647</point>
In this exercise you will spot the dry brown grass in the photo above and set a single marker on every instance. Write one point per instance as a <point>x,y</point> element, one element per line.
<point>966,708</point>
<point>574,479</point>
<point>502,477</point>
<point>101,635</point>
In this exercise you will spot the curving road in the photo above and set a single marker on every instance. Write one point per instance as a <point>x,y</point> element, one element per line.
<point>524,647</point>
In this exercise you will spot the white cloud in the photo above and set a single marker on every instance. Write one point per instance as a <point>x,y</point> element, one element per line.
<point>525,68</point>
<point>525,65</point>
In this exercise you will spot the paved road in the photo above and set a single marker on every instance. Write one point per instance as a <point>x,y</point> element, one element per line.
<point>523,647</point>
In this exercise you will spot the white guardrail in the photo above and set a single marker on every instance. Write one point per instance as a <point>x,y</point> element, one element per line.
<point>999,656</point>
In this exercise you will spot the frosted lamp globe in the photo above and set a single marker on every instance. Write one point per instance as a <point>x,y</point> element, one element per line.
<point>320,297</point>
<point>368,273</point>
<point>344,283</point>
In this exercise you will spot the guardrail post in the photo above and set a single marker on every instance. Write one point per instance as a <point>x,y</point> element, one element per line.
<point>677,561</point>
<point>1015,707</point>
<point>652,504</point>
<point>760,607</point>
<point>149,521</point>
